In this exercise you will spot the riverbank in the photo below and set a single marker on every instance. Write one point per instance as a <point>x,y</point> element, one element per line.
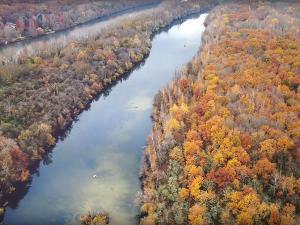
<point>104,145</point>
<point>52,92</point>
<point>21,21</point>
<point>44,45</point>
<point>225,137</point>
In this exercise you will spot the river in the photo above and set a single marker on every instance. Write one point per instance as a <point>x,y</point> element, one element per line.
<point>43,44</point>
<point>96,166</point>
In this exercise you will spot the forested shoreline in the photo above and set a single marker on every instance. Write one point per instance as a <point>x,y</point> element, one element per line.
<point>225,142</point>
<point>20,20</point>
<point>226,131</point>
<point>41,95</point>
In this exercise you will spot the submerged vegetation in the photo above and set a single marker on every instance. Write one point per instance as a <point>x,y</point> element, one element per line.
<point>226,132</point>
<point>94,219</point>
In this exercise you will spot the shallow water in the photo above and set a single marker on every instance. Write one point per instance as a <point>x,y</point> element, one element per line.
<point>96,167</point>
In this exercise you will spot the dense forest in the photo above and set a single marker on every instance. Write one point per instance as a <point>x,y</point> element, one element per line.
<point>19,19</point>
<point>41,95</point>
<point>225,141</point>
<point>226,132</point>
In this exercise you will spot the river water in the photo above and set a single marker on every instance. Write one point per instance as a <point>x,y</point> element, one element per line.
<point>96,166</point>
<point>58,40</point>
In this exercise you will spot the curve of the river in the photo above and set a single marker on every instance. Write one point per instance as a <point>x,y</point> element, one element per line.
<point>96,167</point>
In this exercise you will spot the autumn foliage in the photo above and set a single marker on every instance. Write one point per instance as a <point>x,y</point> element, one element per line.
<point>225,142</point>
<point>20,19</point>
<point>42,94</point>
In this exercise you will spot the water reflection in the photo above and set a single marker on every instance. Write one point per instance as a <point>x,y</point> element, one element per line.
<point>96,166</point>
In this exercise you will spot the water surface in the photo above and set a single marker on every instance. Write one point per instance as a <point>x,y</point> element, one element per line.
<point>96,166</point>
